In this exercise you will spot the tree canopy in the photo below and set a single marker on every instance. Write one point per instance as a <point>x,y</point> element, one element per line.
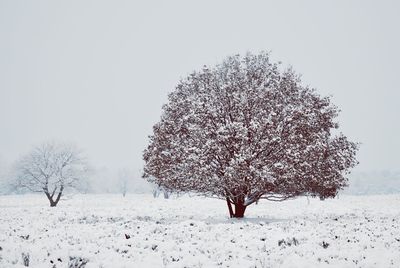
<point>247,129</point>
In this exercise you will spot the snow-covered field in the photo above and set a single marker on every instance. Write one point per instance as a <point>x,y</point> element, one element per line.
<point>140,231</point>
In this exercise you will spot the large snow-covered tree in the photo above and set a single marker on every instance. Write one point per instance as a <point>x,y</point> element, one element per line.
<point>245,130</point>
<point>51,168</point>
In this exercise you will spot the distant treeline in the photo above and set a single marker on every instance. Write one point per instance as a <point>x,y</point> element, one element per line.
<point>375,182</point>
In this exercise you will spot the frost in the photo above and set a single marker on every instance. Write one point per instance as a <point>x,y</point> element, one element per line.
<point>245,130</point>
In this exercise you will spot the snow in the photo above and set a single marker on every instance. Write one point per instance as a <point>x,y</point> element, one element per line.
<point>141,231</point>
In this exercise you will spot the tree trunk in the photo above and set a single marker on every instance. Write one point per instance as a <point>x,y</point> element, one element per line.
<point>58,196</point>
<point>166,195</point>
<point>49,196</point>
<point>52,203</point>
<point>228,202</point>
<point>239,210</point>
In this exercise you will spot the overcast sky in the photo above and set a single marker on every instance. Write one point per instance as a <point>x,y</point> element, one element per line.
<point>97,72</point>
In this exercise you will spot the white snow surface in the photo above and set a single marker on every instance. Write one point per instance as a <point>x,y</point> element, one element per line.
<point>350,231</point>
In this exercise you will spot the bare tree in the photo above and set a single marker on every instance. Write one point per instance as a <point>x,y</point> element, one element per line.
<point>124,176</point>
<point>51,168</point>
<point>246,130</point>
<point>155,190</point>
<point>166,194</point>
<point>4,183</point>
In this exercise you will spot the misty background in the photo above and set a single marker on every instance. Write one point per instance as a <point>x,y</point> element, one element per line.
<point>96,73</point>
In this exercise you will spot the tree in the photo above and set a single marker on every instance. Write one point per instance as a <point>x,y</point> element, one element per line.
<point>4,183</point>
<point>156,190</point>
<point>124,177</point>
<point>51,168</point>
<point>246,130</point>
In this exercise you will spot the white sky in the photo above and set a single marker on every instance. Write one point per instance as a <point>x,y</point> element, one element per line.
<point>96,73</point>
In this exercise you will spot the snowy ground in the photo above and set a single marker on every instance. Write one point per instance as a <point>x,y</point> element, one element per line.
<point>352,231</point>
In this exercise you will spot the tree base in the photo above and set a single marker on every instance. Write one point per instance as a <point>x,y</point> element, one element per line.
<point>239,210</point>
